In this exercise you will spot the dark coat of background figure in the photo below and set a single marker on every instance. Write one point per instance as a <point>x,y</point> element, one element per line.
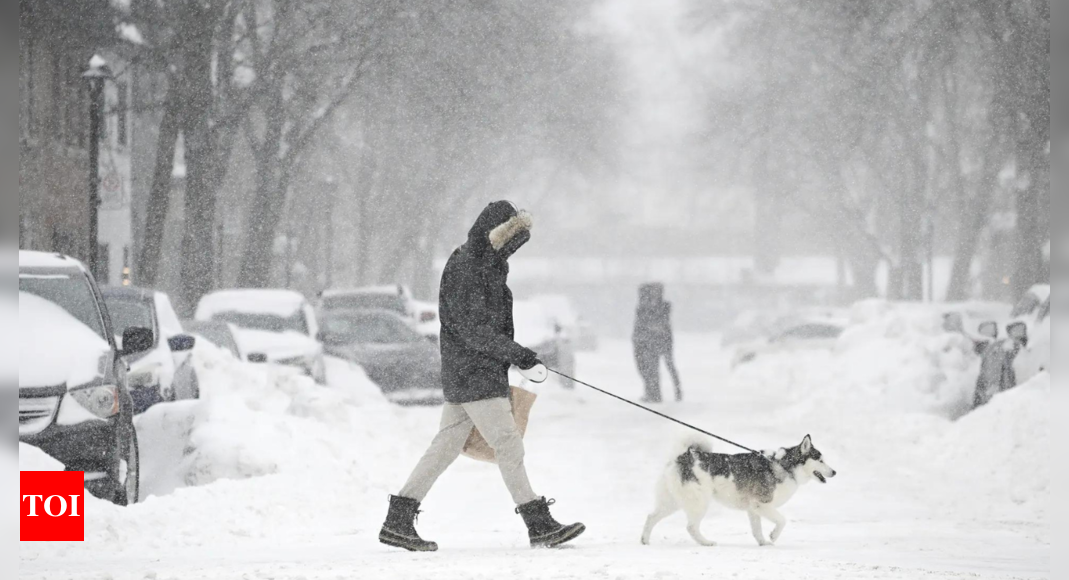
<point>652,339</point>
<point>475,306</point>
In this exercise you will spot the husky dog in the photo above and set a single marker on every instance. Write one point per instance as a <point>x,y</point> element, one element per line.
<point>754,483</point>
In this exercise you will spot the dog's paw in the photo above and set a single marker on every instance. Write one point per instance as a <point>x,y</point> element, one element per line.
<point>709,544</point>
<point>764,543</point>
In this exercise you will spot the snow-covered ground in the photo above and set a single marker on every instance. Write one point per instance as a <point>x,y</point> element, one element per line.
<point>270,476</point>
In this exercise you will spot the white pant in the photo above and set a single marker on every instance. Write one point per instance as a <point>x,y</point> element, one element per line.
<point>493,418</point>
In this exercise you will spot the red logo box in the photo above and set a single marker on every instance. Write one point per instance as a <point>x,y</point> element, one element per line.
<point>53,506</point>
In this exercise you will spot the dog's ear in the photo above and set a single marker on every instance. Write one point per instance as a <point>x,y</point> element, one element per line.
<point>807,445</point>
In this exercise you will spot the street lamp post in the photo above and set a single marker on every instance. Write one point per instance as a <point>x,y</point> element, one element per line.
<point>98,73</point>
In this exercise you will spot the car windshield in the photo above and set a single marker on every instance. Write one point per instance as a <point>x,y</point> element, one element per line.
<point>263,321</point>
<point>367,329</point>
<point>813,332</point>
<point>380,301</point>
<point>127,314</point>
<point>70,292</point>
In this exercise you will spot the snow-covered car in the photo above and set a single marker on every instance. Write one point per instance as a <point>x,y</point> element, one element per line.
<point>274,326</point>
<point>221,334</point>
<point>74,400</point>
<point>819,334</point>
<point>164,372</point>
<point>536,329</point>
<point>406,365</point>
<point>575,327</point>
<point>1022,353</point>
<point>393,297</point>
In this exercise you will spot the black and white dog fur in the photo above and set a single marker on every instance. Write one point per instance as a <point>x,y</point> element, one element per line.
<point>756,484</point>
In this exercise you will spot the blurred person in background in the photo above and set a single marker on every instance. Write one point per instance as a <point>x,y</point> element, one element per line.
<point>652,339</point>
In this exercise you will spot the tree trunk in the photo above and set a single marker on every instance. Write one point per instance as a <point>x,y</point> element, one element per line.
<point>977,213</point>
<point>909,278</point>
<point>148,263</point>
<point>198,251</point>
<point>266,210</point>
<point>1030,238</point>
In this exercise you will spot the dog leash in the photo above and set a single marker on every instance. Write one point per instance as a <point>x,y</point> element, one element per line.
<point>660,414</point>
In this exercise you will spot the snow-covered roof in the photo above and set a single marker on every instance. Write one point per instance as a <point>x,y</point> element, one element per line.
<point>251,300</point>
<point>33,259</point>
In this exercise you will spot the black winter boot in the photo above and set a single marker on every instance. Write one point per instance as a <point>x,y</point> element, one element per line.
<point>543,530</point>
<point>400,529</point>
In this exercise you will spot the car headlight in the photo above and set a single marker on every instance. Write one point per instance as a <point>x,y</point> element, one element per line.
<point>102,401</point>
<point>143,377</point>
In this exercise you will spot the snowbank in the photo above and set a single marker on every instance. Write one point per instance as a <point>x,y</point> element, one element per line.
<point>896,389</point>
<point>1003,446</point>
<point>33,459</point>
<point>251,420</point>
<point>890,357</point>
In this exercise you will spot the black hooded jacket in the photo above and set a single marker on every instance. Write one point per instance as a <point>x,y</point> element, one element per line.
<point>475,308</point>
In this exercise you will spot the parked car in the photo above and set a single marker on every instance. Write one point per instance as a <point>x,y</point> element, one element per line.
<point>538,331</point>
<point>563,310</point>
<point>1022,353</point>
<point>406,365</point>
<point>164,372</point>
<point>819,334</point>
<point>274,326</point>
<point>393,297</point>
<point>74,400</point>
<point>221,334</point>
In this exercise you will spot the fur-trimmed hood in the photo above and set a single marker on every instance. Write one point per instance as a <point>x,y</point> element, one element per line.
<point>500,228</point>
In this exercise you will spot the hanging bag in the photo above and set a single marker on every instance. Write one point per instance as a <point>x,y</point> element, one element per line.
<point>476,446</point>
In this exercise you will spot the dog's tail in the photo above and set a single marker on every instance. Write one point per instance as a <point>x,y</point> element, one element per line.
<point>691,441</point>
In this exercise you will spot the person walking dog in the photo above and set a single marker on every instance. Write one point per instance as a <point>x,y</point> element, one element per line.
<point>652,339</point>
<point>475,308</point>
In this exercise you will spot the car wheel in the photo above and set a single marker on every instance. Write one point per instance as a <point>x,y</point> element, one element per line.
<point>128,470</point>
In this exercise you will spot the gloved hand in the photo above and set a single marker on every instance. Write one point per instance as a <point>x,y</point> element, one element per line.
<point>530,359</point>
